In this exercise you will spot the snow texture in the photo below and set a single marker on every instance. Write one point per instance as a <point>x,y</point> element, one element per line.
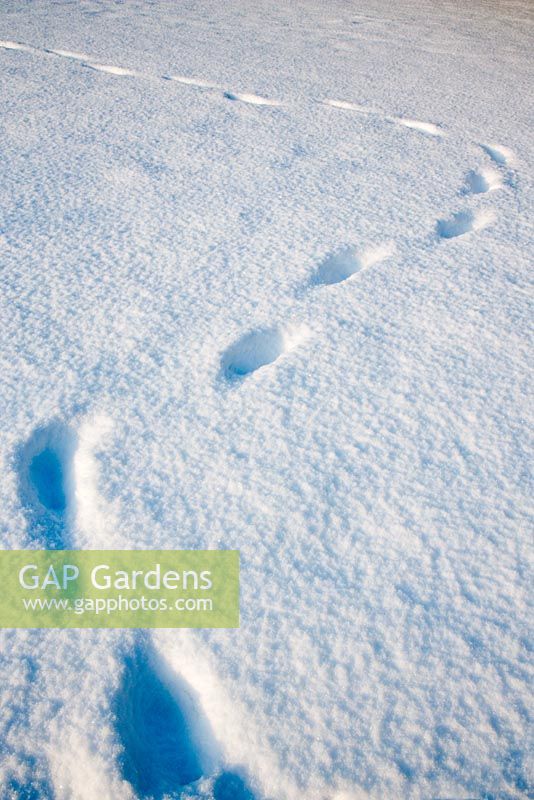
<point>265,285</point>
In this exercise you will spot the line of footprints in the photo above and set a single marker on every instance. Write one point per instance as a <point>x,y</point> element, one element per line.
<point>264,346</point>
<point>158,724</point>
<point>52,470</point>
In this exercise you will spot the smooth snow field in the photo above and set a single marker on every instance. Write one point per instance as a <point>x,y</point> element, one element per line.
<point>265,286</point>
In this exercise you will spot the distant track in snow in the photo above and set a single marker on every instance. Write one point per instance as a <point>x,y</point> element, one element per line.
<point>500,154</point>
<point>429,128</point>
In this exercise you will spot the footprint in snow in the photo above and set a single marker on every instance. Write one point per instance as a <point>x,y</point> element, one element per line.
<point>15,46</point>
<point>483,180</point>
<point>159,754</point>
<point>69,54</point>
<point>111,70</point>
<point>464,222</point>
<point>502,156</point>
<point>345,105</point>
<point>259,348</point>
<point>422,127</point>
<point>416,125</point>
<point>253,99</point>
<point>46,483</point>
<point>167,743</point>
<point>343,264</point>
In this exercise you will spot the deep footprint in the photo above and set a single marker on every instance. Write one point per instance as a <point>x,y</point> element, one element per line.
<point>259,348</point>
<point>502,155</point>
<point>159,755</point>
<point>483,180</point>
<point>464,222</point>
<point>343,264</point>
<point>45,482</point>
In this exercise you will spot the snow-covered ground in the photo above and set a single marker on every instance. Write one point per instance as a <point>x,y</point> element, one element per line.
<point>264,272</point>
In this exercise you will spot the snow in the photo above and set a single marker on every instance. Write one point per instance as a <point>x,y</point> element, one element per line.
<point>264,286</point>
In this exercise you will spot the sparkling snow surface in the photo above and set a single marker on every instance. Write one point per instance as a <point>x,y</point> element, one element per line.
<point>264,285</point>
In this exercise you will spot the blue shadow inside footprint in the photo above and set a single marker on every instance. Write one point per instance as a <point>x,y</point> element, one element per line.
<point>44,466</point>
<point>159,756</point>
<point>46,475</point>
<point>230,786</point>
<point>29,791</point>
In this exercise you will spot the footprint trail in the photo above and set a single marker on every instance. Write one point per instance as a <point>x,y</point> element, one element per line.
<point>483,180</point>
<point>253,99</point>
<point>416,125</point>
<point>343,264</point>
<point>111,70</point>
<point>464,222</point>
<point>7,45</point>
<point>260,348</point>
<point>69,54</point>
<point>502,156</point>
